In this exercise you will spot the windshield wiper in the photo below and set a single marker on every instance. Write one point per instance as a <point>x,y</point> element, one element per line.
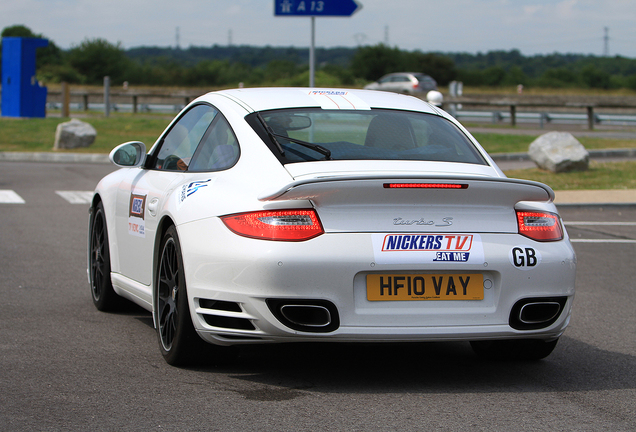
<point>315,147</point>
<point>271,133</point>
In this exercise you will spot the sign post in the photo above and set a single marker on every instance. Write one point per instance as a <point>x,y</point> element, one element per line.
<point>314,8</point>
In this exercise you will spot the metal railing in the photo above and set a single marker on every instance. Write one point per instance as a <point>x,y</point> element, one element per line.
<point>122,101</point>
<point>513,110</point>
<point>544,110</point>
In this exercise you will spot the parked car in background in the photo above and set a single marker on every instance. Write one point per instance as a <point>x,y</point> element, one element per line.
<point>404,82</point>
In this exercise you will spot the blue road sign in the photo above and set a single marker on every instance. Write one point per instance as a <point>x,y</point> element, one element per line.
<point>342,8</point>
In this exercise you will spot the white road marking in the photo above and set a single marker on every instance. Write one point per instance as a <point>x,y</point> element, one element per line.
<point>599,224</point>
<point>76,197</point>
<point>10,197</point>
<point>602,223</point>
<point>603,241</point>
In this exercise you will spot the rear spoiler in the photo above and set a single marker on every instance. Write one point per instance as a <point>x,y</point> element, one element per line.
<point>313,188</point>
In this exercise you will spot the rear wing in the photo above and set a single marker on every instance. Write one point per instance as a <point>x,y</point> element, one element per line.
<point>507,189</point>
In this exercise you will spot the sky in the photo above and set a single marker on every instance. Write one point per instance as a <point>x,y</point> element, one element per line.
<point>471,26</point>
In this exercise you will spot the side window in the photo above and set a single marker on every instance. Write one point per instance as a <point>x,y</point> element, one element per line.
<point>181,141</point>
<point>219,148</point>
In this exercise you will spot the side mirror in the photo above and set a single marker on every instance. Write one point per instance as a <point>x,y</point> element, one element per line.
<point>128,155</point>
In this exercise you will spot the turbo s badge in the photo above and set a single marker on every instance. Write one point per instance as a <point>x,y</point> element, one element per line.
<point>427,248</point>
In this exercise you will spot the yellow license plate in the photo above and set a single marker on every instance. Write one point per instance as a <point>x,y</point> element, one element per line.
<point>395,287</point>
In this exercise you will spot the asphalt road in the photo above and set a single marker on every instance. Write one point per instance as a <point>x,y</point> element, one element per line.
<point>66,366</point>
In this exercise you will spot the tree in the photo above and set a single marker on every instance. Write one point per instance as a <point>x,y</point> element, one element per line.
<point>371,62</point>
<point>515,76</point>
<point>440,67</point>
<point>470,77</point>
<point>97,58</point>
<point>595,78</point>
<point>558,78</point>
<point>18,31</point>
<point>494,76</point>
<point>343,74</point>
<point>277,70</point>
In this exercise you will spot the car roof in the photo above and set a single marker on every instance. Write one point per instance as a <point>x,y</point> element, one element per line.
<point>262,99</point>
<point>407,73</point>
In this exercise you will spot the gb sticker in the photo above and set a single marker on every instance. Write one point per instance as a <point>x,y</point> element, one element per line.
<point>525,257</point>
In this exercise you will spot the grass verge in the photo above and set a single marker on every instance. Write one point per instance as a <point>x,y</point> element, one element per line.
<point>38,134</point>
<point>504,143</point>
<point>601,175</point>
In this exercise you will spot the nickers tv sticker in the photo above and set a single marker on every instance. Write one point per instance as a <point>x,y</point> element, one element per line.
<point>136,212</point>
<point>428,248</point>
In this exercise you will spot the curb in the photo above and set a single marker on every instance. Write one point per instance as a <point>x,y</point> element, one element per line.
<point>594,204</point>
<point>597,154</point>
<point>97,158</point>
<point>611,197</point>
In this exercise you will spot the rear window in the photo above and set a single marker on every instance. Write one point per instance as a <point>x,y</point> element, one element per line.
<point>363,135</point>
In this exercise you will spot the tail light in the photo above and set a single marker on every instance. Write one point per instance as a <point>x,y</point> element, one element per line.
<point>540,226</point>
<point>284,225</point>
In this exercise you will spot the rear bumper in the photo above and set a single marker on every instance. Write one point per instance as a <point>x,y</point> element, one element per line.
<point>244,273</point>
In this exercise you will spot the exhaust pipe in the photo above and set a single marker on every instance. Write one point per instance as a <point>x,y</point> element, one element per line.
<point>536,313</point>
<point>307,315</point>
<point>539,312</point>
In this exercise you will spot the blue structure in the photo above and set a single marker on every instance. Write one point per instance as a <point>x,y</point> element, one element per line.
<point>22,96</point>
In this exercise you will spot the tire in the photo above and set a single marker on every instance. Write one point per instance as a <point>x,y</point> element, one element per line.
<point>515,350</point>
<point>104,297</point>
<point>178,341</point>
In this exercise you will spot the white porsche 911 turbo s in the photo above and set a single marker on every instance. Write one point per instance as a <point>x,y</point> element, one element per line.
<point>282,215</point>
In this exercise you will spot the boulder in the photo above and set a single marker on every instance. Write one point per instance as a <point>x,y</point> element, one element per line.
<point>74,134</point>
<point>559,152</point>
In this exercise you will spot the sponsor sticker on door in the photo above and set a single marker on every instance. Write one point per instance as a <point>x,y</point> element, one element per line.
<point>136,215</point>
